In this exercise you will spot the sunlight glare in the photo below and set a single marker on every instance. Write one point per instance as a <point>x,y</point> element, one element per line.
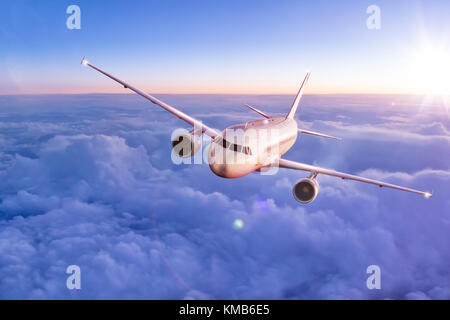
<point>431,70</point>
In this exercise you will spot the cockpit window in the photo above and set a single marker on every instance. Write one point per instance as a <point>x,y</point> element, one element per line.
<point>233,146</point>
<point>225,143</point>
<point>247,150</point>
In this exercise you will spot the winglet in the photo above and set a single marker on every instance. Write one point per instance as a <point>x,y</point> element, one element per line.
<point>84,61</point>
<point>298,97</point>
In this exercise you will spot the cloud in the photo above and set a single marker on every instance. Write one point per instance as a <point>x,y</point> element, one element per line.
<point>140,228</point>
<point>366,131</point>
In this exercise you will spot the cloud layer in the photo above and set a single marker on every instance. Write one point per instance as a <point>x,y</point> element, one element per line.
<point>87,180</point>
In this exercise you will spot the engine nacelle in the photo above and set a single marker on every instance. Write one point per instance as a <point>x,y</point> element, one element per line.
<point>305,190</point>
<point>186,144</point>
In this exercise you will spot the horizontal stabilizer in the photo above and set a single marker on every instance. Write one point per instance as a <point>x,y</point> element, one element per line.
<point>258,111</point>
<point>318,134</point>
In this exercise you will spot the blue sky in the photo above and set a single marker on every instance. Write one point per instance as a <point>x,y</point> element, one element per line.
<point>222,46</point>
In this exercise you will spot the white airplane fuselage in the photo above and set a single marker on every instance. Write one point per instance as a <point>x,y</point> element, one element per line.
<point>247,147</point>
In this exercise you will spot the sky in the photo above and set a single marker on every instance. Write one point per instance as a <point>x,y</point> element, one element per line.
<point>87,180</point>
<point>226,46</point>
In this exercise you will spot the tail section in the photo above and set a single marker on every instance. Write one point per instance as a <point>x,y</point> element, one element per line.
<point>298,97</point>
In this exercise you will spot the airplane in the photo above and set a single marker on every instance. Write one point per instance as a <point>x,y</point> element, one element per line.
<point>258,154</point>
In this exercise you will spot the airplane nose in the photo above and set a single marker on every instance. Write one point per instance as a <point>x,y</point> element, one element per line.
<point>231,170</point>
<point>228,167</point>
<point>219,169</point>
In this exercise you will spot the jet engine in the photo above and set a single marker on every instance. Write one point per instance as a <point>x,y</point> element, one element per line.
<point>187,144</point>
<point>305,190</point>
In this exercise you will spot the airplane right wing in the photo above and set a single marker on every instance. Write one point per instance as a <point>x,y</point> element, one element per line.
<point>194,122</point>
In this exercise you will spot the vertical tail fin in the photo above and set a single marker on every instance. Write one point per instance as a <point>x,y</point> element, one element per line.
<point>298,97</point>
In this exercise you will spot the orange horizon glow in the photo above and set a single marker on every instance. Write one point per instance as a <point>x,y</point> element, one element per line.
<point>226,90</point>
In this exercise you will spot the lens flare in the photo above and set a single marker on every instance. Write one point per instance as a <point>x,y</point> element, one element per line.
<point>238,224</point>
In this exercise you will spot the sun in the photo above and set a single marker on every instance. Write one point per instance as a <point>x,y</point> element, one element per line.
<point>430,70</point>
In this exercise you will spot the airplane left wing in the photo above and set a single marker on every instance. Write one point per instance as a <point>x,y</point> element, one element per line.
<point>194,122</point>
<point>283,163</point>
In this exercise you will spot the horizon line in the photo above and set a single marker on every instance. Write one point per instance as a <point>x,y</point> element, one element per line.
<point>225,94</point>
